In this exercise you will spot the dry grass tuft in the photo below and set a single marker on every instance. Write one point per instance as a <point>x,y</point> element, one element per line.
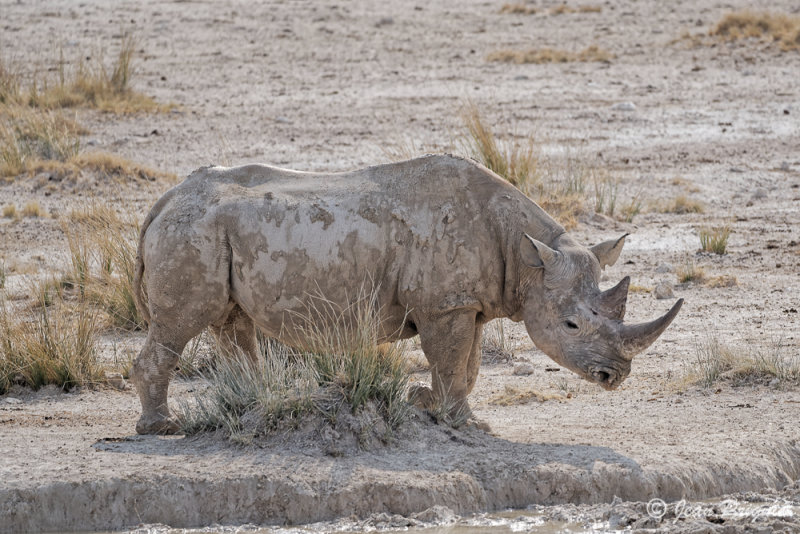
<point>564,8</point>
<point>54,345</point>
<point>343,369</point>
<point>716,361</point>
<point>29,136</point>
<point>513,396</point>
<point>496,345</point>
<point>592,53</point>
<point>10,211</point>
<point>559,186</point>
<point>681,205</point>
<point>725,280</point>
<point>102,248</point>
<point>636,288</point>
<point>518,162</point>
<point>518,9</point>
<point>715,239</point>
<point>92,86</point>
<point>690,272</point>
<point>779,28</point>
<point>32,208</point>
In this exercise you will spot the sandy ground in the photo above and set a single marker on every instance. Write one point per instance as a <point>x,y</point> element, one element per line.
<point>330,86</point>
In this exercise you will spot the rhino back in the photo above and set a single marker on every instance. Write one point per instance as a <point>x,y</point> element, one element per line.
<point>422,231</point>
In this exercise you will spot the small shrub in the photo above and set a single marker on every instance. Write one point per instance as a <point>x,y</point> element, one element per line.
<point>10,211</point>
<point>779,28</point>
<point>715,239</point>
<point>591,53</point>
<point>690,272</point>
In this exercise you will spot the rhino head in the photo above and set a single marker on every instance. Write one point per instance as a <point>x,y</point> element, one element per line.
<point>571,320</point>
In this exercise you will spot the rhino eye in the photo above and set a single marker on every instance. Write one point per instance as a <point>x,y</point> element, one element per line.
<point>571,325</point>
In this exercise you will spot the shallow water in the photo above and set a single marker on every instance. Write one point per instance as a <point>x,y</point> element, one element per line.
<point>676,514</point>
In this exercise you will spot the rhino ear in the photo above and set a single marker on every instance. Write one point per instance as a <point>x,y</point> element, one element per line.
<point>535,253</point>
<point>607,252</point>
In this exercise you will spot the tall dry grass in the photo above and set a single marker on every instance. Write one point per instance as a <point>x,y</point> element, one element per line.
<point>716,361</point>
<point>81,84</point>
<point>56,343</point>
<point>564,187</point>
<point>102,246</point>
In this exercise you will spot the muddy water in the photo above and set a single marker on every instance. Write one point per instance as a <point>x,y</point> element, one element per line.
<point>774,515</point>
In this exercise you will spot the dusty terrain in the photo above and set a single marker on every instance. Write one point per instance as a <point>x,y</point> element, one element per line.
<point>330,86</point>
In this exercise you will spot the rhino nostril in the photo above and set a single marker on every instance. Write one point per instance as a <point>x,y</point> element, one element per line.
<point>602,376</point>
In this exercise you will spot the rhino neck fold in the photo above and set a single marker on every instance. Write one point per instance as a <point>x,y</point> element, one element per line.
<point>523,216</point>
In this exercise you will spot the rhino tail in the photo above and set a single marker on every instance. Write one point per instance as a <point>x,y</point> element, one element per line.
<point>138,289</point>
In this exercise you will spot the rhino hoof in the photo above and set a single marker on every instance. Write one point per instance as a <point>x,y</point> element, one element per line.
<point>157,425</point>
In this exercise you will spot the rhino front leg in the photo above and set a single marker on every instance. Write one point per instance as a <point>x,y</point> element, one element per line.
<point>448,342</point>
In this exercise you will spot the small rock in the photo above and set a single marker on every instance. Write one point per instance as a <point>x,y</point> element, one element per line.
<point>520,78</point>
<point>759,193</point>
<point>665,268</point>
<point>437,514</point>
<point>12,400</point>
<point>624,106</point>
<point>523,369</point>
<point>385,21</point>
<point>115,380</point>
<point>663,290</point>
<point>774,382</point>
<point>785,166</point>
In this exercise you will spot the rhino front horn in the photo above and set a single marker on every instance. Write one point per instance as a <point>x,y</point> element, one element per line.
<point>637,337</point>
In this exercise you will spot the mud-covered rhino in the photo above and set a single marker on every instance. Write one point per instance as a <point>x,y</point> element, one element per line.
<point>448,244</point>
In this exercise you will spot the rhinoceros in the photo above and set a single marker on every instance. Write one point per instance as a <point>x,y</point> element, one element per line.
<point>448,244</point>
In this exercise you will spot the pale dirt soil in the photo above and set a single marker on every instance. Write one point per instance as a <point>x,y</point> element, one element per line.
<point>323,86</point>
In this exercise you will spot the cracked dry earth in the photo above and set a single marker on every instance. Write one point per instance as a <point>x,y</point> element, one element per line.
<point>330,86</point>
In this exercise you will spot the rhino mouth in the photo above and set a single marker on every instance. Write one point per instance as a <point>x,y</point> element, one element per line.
<point>607,378</point>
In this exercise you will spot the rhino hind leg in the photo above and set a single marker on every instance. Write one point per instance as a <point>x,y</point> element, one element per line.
<point>181,307</point>
<point>236,332</point>
<point>151,374</point>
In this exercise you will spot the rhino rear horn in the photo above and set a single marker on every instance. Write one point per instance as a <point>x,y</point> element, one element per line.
<point>637,337</point>
<point>607,252</point>
<point>611,302</point>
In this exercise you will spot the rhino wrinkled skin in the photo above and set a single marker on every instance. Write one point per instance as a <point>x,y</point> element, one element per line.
<point>447,244</point>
